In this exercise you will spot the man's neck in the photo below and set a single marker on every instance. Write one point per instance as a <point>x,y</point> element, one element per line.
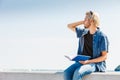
<point>92,29</point>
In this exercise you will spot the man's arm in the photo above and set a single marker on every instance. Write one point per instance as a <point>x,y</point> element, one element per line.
<point>72,26</point>
<point>96,60</point>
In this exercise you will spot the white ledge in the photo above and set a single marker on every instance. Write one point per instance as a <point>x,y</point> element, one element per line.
<point>103,76</point>
<point>55,75</point>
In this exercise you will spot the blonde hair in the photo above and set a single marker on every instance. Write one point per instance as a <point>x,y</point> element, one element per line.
<point>93,16</point>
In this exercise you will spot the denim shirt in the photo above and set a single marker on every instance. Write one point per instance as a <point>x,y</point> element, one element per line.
<point>100,44</point>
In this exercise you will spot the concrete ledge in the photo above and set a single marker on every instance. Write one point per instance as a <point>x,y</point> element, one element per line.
<point>55,75</point>
<point>103,76</point>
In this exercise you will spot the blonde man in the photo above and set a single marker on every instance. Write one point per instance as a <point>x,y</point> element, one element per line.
<point>92,42</point>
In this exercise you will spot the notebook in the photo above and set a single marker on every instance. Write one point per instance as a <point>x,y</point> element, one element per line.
<point>78,58</point>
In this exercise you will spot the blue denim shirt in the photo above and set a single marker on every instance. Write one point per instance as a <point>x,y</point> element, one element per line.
<point>100,43</point>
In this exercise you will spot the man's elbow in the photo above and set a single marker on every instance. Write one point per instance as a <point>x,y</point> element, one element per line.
<point>104,54</point>
<point>104,57</point>
<point>71,27</point>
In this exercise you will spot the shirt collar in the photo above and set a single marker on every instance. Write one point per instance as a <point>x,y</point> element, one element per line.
<point>86,31</point>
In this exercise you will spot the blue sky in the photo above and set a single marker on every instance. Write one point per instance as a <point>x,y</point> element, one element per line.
<point>34,33</point>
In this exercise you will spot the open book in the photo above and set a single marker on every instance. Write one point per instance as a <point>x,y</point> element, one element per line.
<point>78,58</point>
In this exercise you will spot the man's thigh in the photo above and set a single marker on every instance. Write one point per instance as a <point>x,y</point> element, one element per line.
<point>73,67</point>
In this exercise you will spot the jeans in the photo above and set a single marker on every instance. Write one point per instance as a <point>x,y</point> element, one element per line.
<point>76,71</point>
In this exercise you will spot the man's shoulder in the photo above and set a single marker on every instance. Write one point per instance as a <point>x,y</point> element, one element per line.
<point>102,34</point>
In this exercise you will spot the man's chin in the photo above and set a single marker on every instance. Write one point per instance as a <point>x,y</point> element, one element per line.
<point>85,27</point>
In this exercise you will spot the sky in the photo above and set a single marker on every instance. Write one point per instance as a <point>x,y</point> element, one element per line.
<point>34,33</point>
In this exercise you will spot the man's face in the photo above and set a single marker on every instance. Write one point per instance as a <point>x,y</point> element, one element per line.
<point>87,22</point>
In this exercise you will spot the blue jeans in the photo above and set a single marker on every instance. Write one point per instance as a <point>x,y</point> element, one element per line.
<point>77,71</point>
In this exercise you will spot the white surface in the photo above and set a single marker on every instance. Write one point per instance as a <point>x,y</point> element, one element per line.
<point>103,76</point>
<point>54,75</point>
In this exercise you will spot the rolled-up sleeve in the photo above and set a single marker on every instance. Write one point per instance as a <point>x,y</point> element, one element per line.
<point>104,44</point>
<point>79,32</point>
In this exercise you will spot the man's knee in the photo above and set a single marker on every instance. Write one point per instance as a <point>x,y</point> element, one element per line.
<point>84,70</point>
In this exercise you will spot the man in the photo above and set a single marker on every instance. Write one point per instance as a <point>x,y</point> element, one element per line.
<point>92,42</point>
